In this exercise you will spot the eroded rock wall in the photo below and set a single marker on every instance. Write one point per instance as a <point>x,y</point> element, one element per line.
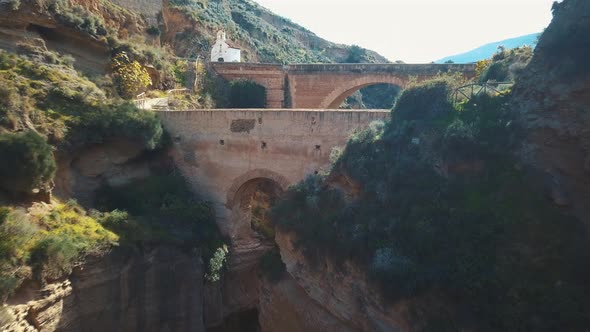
<point>553,98</point>
<point>160,290</point>
<point>344,291</point>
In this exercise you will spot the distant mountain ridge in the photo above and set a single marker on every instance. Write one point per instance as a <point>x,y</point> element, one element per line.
<point>486,51</point>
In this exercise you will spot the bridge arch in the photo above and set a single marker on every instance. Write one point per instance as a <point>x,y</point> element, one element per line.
<point>237,186</point>
<point>347,88</point>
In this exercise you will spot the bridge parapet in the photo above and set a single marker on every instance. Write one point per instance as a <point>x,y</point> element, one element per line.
<point>324,86</point>
<point>381,68</point>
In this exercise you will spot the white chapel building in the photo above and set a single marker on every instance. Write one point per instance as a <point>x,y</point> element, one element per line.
<point>224,50</point>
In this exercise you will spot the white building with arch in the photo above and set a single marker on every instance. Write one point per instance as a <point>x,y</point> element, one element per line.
<point>224,50</point>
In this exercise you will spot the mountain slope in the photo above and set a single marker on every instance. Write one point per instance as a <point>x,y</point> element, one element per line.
<point>486,51</point>
<point>262,35</point>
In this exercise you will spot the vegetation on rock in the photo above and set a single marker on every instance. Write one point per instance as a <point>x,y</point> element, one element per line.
<point>446,214</point>
<point>505,65</point>
<point>27,162</point>
<point>71,111</point>
<point>47,241</point>
<point>161,209</point>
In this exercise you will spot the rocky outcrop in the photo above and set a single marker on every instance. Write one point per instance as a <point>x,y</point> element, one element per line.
<point>32,22</point>
<point>160,290</point>
<point>344,291</point>
<point>552,96</point>
<point>285,306</point>
<point>174,22</point>
<point>80,174</point>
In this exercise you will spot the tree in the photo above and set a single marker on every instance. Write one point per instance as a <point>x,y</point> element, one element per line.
<point>247,94</point>
<point>130,76</point>
<point>27,162</point>
<point>356,54</point>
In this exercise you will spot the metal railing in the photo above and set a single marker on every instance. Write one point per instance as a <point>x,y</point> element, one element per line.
<point>140,101</point>
<point>470,91</point>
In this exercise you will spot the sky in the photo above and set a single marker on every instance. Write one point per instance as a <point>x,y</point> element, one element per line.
<point>416,31</point>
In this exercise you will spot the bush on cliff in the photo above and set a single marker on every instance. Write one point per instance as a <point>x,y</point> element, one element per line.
<point>27,162</point>
<point>161,208</point>
<point>108,122</point>
<point>247,94</point>
<point>443,214</point>
<point>67,108</point>
<point>505,65</point>
<point>47,240</point>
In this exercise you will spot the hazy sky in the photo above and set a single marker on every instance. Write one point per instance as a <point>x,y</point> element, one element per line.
<point>416,31</point>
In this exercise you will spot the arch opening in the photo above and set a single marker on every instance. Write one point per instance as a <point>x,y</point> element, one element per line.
<point>252,204</point>
<point>245,93</point>
<point>370,96</point>
<point>346,88</point>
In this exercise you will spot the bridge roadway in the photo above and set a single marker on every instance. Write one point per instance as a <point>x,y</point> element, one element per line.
<point>325,86</point>
<point>221,150</point>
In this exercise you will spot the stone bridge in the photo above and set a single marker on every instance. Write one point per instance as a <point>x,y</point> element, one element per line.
<point>223,152</point>
<point>325,86</point>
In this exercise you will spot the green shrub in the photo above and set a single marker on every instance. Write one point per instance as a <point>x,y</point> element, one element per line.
<point>216,264</point>
<point>356,54</point>
<point>153,31</point>
<point>16,232</point>
<point>505,65</point>
<point>76,16</point>
<point>380,96</point>
<point>247,94</point>
<point>424,102</point>
<point>27,162</point>
<point>54,256</point>
<point>4,212</point>
<point>160,208</point>
<point>100,124</point>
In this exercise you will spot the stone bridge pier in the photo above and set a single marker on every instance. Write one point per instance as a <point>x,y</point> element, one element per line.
<point>325,86</point>
<point>236,159</point>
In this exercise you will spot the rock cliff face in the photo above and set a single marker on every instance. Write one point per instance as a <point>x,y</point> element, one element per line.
<point>160,290</point>
<point>285,306</point>
<point>552,96</point>
<point>345,294</point>
<point>81,173</point>
<point>33,21</point>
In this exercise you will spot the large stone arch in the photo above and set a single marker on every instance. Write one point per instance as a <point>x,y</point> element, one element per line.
<point>348,87</point>
<point>233,191</point>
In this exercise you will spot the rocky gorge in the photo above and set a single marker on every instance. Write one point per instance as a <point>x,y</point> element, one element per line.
<point>272,278</point>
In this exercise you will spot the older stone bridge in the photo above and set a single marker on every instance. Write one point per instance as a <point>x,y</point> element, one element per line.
<point>325,86</point>
<point>226,153</point>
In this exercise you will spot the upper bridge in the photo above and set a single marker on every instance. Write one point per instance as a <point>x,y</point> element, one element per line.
<point>326,86</point>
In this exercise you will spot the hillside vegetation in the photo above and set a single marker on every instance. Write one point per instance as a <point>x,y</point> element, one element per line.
<point>437,208</point>
<point>48,109</point>
<point>263,35</point>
